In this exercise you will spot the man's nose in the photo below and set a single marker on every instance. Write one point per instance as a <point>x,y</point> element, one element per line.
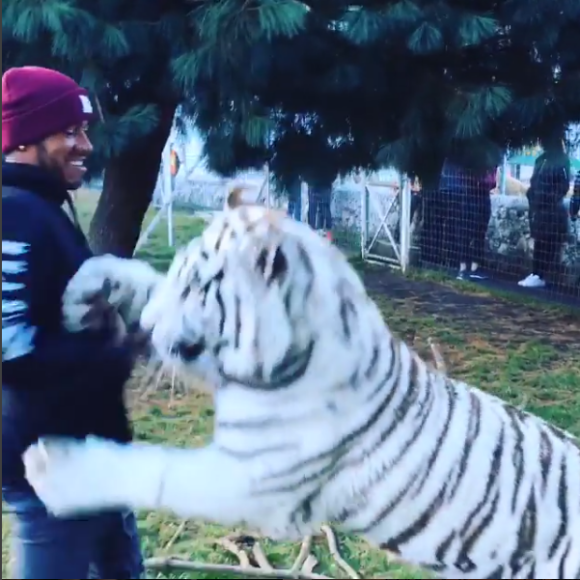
<point>84,143</point>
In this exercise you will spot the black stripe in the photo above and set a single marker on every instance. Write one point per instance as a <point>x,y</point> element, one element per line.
<point>518,456</point>
<point>546,458</point>
<point>527,534</point>
<point>492,481</point>
<point>386,511</point>
<point>498,573</point>
<point>563,508</point>
<point>393,368</point>
<point>347,441</point>
<point>256,453</point>
<point>418,433</point>
<point>464,562</point>
<point>407,404</point>
<point>291,369</point>
<point>473,431</point>
<point>374,362</point>
<point>222,309</point>
<point>238,322</point>
<point>307,264</point>
<point>419,525</point>
<point>451,399</point>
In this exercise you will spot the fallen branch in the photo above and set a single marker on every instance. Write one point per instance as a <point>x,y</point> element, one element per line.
<point>175,536</point>
<point>303,556</point>
<point>335,553</point>
<point>176,564</point>
<point>438,359</point>
<point>256,563</point>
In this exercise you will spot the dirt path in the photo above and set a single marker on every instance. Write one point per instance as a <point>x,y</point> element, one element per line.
<point>497,318</point>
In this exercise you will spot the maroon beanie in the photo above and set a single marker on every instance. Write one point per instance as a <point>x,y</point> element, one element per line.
<point>38,103</point>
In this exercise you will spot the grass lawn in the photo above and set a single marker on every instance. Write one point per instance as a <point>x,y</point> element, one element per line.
<point>526,354</point>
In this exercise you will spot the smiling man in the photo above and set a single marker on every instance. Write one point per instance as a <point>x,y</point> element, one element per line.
<point>53,383</point>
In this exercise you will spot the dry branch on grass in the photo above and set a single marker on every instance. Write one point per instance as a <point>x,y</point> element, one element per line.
<point>438,359</point>
<point>253,561</point>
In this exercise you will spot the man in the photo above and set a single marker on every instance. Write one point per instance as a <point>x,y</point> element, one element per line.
<point>53,383</point>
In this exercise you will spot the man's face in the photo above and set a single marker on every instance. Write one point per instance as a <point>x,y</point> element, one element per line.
<point>64,155</point>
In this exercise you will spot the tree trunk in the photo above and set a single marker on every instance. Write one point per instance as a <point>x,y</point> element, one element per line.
<point>128,188</point>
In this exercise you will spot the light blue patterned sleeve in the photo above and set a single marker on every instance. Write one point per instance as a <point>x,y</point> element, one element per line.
<point>17,331</point>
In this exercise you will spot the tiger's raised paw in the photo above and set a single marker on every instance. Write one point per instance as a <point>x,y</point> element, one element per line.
<point>108,291</point>
<point>72,476</point>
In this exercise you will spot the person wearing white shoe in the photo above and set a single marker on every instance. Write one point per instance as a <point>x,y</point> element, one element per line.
<point>547,214</point>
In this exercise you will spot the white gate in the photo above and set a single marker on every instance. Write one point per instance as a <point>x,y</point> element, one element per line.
<point>386,222</point>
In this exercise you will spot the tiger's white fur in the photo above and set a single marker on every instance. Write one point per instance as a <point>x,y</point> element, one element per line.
<point>323,415</point>
<point>124,285</point>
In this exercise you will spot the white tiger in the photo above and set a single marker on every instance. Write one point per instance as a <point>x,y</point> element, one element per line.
<point>323,415</point>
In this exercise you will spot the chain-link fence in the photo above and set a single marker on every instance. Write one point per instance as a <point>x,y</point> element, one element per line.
<point>523,234</point>
<point>518,231</point>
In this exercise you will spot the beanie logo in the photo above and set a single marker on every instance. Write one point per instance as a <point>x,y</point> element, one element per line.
<point>86,104</point>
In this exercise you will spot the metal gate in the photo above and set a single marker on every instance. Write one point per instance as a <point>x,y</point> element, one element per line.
<point>386,227</point>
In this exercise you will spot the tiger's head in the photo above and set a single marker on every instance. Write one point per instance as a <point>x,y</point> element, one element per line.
<point>258,299</point>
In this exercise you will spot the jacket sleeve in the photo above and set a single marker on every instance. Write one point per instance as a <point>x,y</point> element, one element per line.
<point>575,201</point>
<point>33,357</point>
<point>557,182</point>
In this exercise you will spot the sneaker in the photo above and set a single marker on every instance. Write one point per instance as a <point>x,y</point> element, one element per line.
<point>478,274</point>
<point>532,281</point>
<point>462,275</point>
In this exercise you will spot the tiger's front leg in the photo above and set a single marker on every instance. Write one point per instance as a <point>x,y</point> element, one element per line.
<point>73,477</point>
<point>108,292</point>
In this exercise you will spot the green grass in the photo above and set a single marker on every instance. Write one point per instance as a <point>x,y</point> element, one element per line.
<point>526,355</point>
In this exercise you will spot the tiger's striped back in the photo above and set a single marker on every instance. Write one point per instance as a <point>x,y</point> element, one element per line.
<point>338,420</point>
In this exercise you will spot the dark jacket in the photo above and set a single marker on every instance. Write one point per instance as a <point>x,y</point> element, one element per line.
<point>460,182</point>
<point>575,201</point>
<point>548,188</point>
<point>53,382</point>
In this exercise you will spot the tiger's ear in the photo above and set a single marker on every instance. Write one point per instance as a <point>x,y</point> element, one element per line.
<point>234,198</point>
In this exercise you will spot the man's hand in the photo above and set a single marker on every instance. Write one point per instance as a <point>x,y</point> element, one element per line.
<point>136,341</point>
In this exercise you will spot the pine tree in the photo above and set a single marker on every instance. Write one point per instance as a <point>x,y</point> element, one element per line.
<point>313,87</point>
<point>390,82</point>
<point>137,58</point>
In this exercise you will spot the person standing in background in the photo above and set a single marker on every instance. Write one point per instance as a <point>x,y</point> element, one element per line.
<point>468,202</point>
<point>434,235</point>
<point>547,214</point>
<point>575,201</point>
<point>320,180</point>
<point>295,199</point>
<point>54,383</point>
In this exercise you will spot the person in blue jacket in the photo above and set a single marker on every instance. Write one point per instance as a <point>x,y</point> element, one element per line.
<point>467,199</point>
<point>53,383</point>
